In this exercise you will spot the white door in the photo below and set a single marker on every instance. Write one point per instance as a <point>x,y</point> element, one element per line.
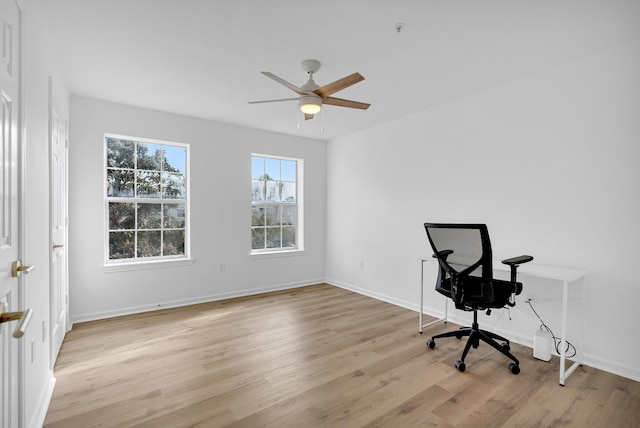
<point>10,45</point>
<point>58,223</point>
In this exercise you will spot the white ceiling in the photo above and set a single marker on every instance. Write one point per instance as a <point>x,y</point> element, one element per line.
<point>202,58</point>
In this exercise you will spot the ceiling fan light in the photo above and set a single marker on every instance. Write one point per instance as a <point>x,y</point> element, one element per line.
<point>310,105</point>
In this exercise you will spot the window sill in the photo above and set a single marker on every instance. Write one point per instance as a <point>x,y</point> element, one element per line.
<point>275,254</point>
<point>122,267</point>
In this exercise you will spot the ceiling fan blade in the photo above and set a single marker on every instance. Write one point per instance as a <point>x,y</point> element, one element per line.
<point>283,82</point>
<point>345,103</point>
<point>308,116</point>
<point>338,85</point>
<point>274,101</point>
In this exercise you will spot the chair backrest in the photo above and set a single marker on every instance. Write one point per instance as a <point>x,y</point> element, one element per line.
<point>464,255</point>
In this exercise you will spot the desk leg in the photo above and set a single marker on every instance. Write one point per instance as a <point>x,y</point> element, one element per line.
<point>421,294</point>
<point>420,324</point>
<point>563,330</point>
<point>564,374</point>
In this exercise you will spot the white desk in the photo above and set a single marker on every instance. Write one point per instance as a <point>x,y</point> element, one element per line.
<point>567,276</point>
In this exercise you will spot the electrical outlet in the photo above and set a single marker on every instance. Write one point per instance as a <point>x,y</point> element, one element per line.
<point>221,268</point>
<point>361,264</point>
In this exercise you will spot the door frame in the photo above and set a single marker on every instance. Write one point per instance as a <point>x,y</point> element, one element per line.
<point>53,113</point>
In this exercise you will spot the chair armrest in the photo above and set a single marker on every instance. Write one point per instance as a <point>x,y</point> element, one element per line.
<point>515,261</point>
<point>444,254</point>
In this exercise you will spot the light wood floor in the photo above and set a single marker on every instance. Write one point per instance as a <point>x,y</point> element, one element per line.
<point>315,356</point>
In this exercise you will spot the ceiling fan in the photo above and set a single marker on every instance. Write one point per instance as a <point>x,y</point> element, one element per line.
<point>311,96</point>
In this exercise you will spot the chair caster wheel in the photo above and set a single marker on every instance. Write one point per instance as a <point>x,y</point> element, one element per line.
<point>514,368</point>
<point>431,344</point>
<point>460,365</point>
<point>505,346</point>
<point>458,336</point>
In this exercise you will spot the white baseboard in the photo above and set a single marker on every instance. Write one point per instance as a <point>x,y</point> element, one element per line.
<point>93,316</point>
<point>632,373</point>
<point>42,407</point>
<point>378,296</point>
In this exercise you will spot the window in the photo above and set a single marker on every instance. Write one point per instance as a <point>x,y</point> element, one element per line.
<point>146,200</point>
<point>275,204</point>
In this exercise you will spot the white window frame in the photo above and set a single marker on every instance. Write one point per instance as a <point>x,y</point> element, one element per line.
<point>299,248</point>
<point>144,262</point>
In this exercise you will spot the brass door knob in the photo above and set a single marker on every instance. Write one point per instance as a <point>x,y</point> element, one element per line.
<point>23,319</point>
<point>17,268</point>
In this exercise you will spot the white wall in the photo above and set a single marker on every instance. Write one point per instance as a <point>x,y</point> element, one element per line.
<point>40,63</point>
<point>220,213</point>
<point>549,162</point>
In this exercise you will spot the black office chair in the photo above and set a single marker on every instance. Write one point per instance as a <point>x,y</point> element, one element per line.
<point>466,276</point>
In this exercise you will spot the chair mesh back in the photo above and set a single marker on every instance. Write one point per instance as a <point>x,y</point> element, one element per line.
<point>466,242</point>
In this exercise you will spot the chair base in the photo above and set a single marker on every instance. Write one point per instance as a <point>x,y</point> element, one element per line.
<point>476,335</point>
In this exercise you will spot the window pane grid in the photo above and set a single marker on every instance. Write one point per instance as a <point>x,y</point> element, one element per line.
<point>146,194</point>
<point>274,209</point>
<point>155,230</point>
<point>166,221</point>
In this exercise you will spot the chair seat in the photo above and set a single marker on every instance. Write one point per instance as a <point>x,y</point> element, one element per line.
<point>475,299</point>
